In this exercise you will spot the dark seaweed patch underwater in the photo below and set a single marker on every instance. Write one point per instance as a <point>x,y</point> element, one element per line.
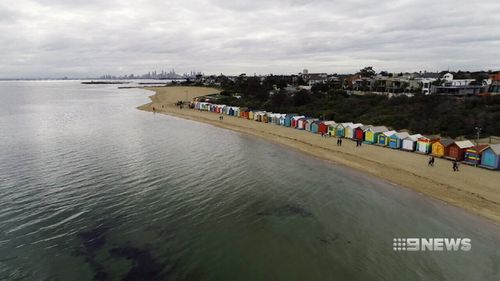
<point>144,265</point>
<point>287,211</point>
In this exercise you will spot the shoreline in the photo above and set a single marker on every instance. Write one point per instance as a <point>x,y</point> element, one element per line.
<point>472,189</point>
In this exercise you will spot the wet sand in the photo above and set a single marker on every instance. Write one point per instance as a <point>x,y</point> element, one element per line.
<point>474,189</point>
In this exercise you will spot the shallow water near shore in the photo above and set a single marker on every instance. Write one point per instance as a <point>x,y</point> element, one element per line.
<point>93,189</point>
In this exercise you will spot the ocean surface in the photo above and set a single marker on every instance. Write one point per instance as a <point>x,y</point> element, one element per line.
<point>93,189</point>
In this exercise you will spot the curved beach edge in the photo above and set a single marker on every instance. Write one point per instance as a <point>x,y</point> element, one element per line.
<point>472,189</point>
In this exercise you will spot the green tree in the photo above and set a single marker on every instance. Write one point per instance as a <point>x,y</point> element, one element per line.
<point>367,72</point>
<point>302,97</point>
<point>278,99</point>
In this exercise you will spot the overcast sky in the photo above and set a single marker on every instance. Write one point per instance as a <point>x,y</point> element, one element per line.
<point>84,38</point>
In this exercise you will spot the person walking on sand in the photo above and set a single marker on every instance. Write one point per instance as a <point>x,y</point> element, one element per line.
<point>431,160</point>
<point>455,166</point>
<point>154,110</point>
<point>340,142</point>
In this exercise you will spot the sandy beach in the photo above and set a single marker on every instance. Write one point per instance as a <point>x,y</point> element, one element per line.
<point>473,189</point>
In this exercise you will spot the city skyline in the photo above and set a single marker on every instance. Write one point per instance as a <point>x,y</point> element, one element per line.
<point>155,74</point>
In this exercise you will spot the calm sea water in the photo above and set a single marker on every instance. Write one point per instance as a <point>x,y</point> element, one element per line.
<point>93,189</point>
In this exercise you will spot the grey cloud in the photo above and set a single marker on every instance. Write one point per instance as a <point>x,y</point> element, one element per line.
<point>7,15</point>
<point>93,37</point>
